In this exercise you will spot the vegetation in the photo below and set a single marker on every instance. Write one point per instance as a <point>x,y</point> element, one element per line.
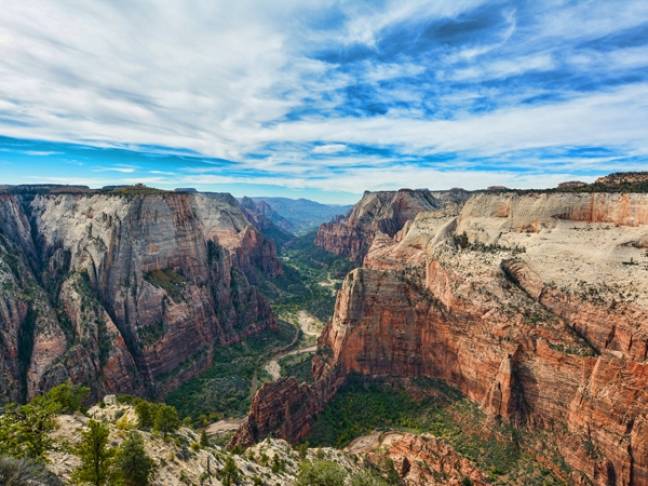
<point>21,472</point>
<point>95,455</point>
<point>24,428</point>
<point>133,467</point>
<point>165,419</point>
<point>297,365</point>
<point>225,389</point>
<point>306,267</point>
<point>169,280</point>
<point>320,473</point>
<point>361,407</point>
<point>230,474</point>
<point>462,241</point>
<point>367,478</point>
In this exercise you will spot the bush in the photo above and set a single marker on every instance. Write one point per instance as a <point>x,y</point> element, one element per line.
<point>166,419</point>
<point>24,430</point>
<point>320,473</point>
<point>133,467</point>
<point>230,474</point>
<point>367,479</point>
<point>95,455</point>
<point>145,412</point>
<point>20,472</point>
<point>66,398</point>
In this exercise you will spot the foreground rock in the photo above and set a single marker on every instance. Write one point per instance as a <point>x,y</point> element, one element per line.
<point>126,290</point>
<point>180,459</point>
<point>533,305</point>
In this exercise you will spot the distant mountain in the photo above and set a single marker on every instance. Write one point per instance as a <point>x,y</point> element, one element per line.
<point>302,214</point>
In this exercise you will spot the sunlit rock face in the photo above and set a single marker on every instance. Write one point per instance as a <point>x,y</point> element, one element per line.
<point>534,305</point>
<point>382,213</point>
<point>125,290</point>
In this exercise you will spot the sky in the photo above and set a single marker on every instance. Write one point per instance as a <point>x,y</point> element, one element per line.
<point>322,99</point>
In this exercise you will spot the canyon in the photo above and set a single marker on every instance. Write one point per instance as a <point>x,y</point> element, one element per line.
<point>128,290</point>
<point>532,304</point>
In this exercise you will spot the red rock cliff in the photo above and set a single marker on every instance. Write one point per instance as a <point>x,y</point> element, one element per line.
<point>128,291</point>
<point>539,314</point>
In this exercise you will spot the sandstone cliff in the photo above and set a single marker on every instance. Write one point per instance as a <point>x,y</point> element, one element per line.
<point>382,213</point>
<point>533,305</point>
<point>128,290</point>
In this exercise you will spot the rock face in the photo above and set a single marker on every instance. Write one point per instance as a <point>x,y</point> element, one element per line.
<point>419,460</point>
<point>624,180</point>
<point>533,305</point>
<point>381,213</point>
<point>128,290</point>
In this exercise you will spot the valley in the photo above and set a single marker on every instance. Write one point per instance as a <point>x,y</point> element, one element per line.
<point>447,337</point>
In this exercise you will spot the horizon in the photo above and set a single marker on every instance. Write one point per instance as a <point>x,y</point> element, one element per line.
<point>324,100</point>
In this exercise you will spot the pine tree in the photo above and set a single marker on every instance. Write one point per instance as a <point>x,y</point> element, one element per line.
<point>95,455</point>
<point>166,419</point>
<point>204,440</point>
<point>230,473</point>
<point>133,467</point>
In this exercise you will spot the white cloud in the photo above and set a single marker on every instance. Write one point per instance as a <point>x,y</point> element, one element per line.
<point>505,68</point>
<point>329,148</point>
<point>222,77</point>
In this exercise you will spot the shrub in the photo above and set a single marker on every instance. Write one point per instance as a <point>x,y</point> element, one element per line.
<point>20,472</point>
<point>66,398</point>
<point>24,430</point>
<point>95,455</point>
<point>133,467</point>
<point>320,473</point>
<point>144,411</point>
<point>230,474</point>
<point>204,440</point>
<point>367,479</point>
<point>165,419</point>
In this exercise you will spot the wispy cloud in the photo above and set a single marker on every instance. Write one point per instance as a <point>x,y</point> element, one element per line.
<point>324,95</point>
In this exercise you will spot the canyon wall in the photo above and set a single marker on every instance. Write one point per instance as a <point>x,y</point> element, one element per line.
<point>533,305</point>
<point>382,213</point>
<point>127,290</point>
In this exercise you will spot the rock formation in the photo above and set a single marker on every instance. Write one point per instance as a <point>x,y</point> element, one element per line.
<point>381,213</point>
<point>127,290</point>
<point>532,304</point>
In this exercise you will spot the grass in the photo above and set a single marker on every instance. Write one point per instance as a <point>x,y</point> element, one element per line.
<point>361,407</point>
<point>225,389</point>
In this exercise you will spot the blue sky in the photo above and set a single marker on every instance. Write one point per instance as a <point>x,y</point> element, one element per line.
<point>322,99</point>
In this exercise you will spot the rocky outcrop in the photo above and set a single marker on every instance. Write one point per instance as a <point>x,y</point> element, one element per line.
<point>183,457</point>
<point>533,305</point>
<point>419,460</point>
<point>384,212</point>
<point>633,181</point>
<point>127,290</point>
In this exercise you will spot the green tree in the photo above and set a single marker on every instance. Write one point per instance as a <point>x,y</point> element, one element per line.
<point>204,440</point>
<point>166,419</point>
<point>230,474</point>
<point>133,467</point>
<point>320,473</point>
<point>24,430</point>
<point>66,398</point>
<point>95,455</point>
<point>145,412</point>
